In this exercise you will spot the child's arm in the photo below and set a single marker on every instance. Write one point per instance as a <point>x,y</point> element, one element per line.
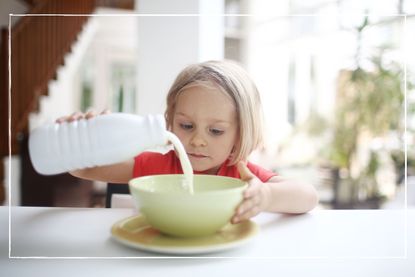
<point>114,173</point>
<point>278,195</point>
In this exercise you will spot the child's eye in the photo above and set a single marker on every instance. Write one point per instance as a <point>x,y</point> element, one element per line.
<point>216,132</point>
<point>186,126</point>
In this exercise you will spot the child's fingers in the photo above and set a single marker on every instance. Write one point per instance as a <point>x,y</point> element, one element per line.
<point>93,113</point>
<point>61,119</point>
<point>75,116</point>
<point>251,205</point>
<point>69,118</point>
<point>105,111</point>
<point>248,204</point>
<point>247,210</point>
<point>249,213</point>
<point>244,171</point>
<point>90,114</point>
<point>78,115</point>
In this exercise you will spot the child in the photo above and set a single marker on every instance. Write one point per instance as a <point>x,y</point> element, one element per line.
<point>214,109</point>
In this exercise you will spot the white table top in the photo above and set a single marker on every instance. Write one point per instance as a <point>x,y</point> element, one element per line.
<point>339,242</point>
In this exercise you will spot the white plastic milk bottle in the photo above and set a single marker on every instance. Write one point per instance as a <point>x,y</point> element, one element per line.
<point>102,140</point>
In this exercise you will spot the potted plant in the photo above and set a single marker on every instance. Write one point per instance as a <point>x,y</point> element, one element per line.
<point>369,105</point>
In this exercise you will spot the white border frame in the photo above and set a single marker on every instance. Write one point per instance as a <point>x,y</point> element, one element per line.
<point>405,210</point>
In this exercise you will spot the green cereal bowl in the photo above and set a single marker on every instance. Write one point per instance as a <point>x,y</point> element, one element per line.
<point>170,208</point>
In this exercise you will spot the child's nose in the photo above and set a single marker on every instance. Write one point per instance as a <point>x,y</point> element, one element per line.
<point>198,140</point>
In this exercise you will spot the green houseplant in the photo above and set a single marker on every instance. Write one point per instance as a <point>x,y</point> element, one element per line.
<point>369,105</point>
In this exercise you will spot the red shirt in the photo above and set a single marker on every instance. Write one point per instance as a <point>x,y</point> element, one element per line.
<point>151,163</point>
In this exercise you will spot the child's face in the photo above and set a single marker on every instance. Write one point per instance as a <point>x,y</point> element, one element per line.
<point>205,121</point>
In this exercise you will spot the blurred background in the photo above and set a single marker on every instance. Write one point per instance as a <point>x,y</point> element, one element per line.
<point>336,80</point>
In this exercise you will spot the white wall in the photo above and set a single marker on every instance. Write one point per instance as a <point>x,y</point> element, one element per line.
<point>168,43</point>
<point>115,41</point>
<point>268,64</point>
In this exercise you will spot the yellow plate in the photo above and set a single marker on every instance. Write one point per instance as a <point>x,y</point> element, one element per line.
<point>137,233</point>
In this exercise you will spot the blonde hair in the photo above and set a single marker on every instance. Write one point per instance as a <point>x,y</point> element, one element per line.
<point>235,82</point>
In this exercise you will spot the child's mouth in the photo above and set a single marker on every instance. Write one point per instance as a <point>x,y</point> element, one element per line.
<point>198,156</point>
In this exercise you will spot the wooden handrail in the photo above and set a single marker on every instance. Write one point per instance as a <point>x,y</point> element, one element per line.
<point>38,46</point>
<point>4,110</point>
<point>4,97</point>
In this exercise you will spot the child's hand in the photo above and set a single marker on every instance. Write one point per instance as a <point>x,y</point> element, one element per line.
<point>79,115</point>
<point>255,197</point>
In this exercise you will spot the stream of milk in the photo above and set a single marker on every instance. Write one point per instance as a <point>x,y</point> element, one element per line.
<point>184,161</point>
